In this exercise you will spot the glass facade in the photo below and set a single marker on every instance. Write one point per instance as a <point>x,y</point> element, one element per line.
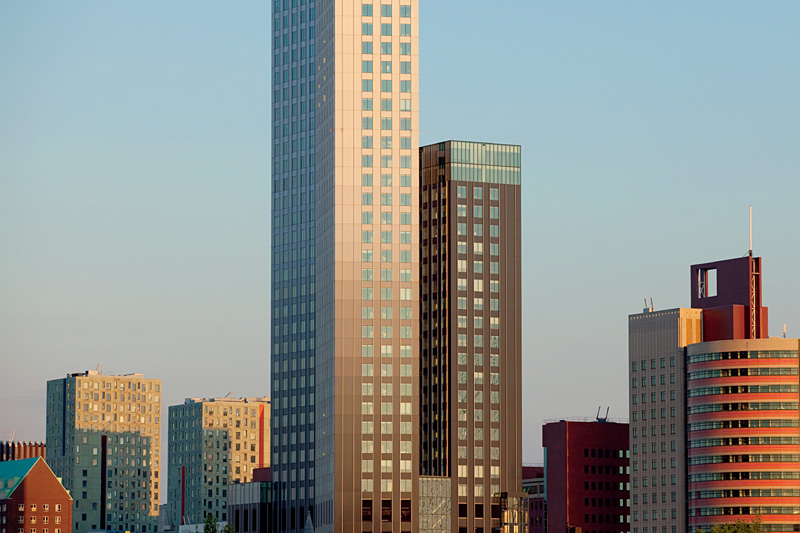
<point>486,162</point>
<point>293,350</point>
<point>344,300</point>
<point>742,440</point>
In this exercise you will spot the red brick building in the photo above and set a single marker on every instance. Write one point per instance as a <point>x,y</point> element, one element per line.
<point>13,451</point>
<point>32,499</point>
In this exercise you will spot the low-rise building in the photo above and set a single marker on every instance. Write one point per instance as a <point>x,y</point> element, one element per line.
<point>587,475</point>
<point>249,504</point>
<point>32,498</point>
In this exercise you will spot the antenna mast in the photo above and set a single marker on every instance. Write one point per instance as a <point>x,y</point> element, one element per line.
<point>753,284</point>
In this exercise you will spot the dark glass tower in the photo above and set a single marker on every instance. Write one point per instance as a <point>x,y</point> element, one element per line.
<point>293,259</point>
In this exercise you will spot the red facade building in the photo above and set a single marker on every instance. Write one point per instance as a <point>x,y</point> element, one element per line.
<point>723,444</point>
<point>32,499</point>
<point>586,476</point>
<point>742,405</point>
<point>533,484</point>
<point>15,450</point>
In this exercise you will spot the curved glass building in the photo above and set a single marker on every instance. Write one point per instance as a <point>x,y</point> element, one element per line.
<point>742,433</point>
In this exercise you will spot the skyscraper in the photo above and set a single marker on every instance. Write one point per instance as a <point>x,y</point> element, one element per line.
<point>471,325</point>
<point>104,441</point>
<point>345,264</point>
<point>213,442</point>
<point>732,406</point>
<point>657,425</point>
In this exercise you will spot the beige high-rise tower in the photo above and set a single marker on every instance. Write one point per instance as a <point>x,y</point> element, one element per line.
<point>367,266</point>
<point>104,441</point>
<point>345,265</point>
<point>657,430</point>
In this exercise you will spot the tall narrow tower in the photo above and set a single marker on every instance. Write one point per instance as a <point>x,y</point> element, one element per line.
<point>471,326</point>
<point>345,264</point>
<point>293,286</point>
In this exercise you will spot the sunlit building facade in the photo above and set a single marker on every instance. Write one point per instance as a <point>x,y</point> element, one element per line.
<point>213,442</point>
<point>104,442</point>
<point>345,242</point>
<point>657,425</point>
<point>743,448</point>
<point>737,390</point>
<point>587,476</point>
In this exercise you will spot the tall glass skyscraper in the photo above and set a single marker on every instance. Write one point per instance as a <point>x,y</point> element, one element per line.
<point>293,354</point>
<point>344,358</point>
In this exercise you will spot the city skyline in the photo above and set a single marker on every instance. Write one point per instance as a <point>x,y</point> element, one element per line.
<point>137,204</point>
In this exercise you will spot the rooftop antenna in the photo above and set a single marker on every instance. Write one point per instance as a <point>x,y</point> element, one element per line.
<point>229,394</point>
<point>784,330</point>
<point>99,368</point>
<point>651,304</point>
<point>603,419</point>
<point>754,329</point>
<point>14,431</point>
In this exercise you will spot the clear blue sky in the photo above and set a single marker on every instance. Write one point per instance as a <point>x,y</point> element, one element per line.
<point>134,180</point>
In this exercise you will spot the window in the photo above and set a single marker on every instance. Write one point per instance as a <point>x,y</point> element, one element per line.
<point>386,30</point>
<point>366,28</point>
